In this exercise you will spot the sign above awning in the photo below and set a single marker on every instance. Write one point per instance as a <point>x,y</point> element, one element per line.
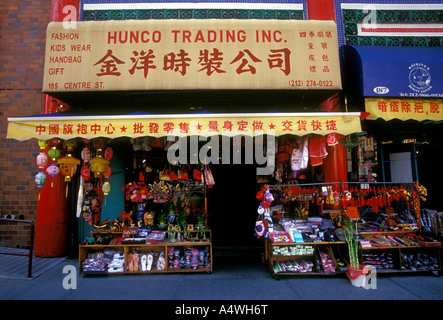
<point>407,72</point>
<point>135,55</point>
<point>66,127</point>
<point>404,109</point>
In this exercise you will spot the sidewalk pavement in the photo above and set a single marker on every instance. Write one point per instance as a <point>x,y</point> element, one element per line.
<point>233,278</point>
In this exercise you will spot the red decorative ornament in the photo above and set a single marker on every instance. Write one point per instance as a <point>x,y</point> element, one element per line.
<point>85,173</point>
<point>108,153</point>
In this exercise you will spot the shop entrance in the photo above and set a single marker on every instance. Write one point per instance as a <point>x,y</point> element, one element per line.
<point>232,206</point>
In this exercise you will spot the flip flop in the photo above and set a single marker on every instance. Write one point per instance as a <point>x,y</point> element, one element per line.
<point>150,259</point>
<point>135,258</point>
<point>130,263</point>
<point>144,262</point>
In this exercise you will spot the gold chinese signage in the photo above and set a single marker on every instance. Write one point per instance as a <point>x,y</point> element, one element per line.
<point>405,109</point>
<point>248,124</point>
<point>191,54</point>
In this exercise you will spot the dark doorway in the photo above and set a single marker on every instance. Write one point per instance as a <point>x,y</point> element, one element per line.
<point>232,205</point>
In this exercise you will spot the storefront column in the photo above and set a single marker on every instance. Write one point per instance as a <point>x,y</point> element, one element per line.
<point>51,231</point>
<point>335,164</point>
<point>320,9</point>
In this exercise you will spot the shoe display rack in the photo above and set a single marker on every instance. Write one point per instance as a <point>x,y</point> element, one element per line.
<point>331,258</point>
<point>313,258</point>
<point>165,257</point>
<point>401,256</point>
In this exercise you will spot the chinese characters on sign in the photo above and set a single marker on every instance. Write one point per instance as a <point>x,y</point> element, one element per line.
<point>184,125</point>
<point>192,54</point>
<point>405,109</point>
<point>180,126</point>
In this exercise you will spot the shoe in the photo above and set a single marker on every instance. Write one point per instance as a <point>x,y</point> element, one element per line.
<point>150,260</point>
<point>143,262</point>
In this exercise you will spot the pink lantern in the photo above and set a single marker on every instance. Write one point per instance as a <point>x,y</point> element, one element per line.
<point>42,160</point>
<point>52,170</point>
<point>86,155</point>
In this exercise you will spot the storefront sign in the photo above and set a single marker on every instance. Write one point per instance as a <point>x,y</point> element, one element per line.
<point>394,72</point>
<point>404,109</point>
<point>68,127</point>
<point>191,54</point>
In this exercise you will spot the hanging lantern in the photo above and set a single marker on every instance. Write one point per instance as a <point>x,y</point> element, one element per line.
<point>107,173</point>
<point>40,179</point>
<point>42,160</point>
<point>42,144</point>
<point>109,153</point>
<point>85,172</point>
<point>106,188</point>
<point>70,145</point>
<point>99,164</point>
<point>54,153</point>
<point>68,166</point>
<point>52,170</point>
<point>86,155</point>
<point>100,143</point>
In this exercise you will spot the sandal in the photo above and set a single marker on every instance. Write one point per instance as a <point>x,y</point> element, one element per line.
<point>150,259</point>
<point>130,263</point>
<point>135,259</point>
<point>144,262</point>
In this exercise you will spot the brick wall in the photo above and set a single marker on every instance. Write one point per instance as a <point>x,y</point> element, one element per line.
<point>22,48</point>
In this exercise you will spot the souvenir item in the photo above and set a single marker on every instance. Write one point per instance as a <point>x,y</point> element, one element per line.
<point>108,153</point>
<point>300,156</point>
<point>208,176</point>
<point>85,173</point>
<point>68,166</point>
<point>99,164</point>
<point>86,155</point>
<point>42,160</point>
<point>40,179</point>
<point>52,170</point>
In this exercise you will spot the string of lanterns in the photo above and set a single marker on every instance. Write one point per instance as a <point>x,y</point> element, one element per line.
<point>68,164</point>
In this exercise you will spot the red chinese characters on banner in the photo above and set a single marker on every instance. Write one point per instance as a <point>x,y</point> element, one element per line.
<point>210,62</point>
<point>146,128</point>
<point>408,106</point>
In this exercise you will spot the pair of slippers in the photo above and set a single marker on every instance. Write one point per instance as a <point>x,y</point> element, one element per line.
<point>133,262</point>
<point>145,263</point>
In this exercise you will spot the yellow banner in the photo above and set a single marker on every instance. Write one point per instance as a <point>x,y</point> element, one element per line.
<point>191,54</point>
<point>68,127</point>
<point>404,109</point>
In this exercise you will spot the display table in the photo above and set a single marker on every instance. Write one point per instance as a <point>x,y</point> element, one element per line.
<point>313,258</point>
<point>143,258</point>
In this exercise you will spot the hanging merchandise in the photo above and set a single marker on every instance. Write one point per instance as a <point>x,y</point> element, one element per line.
<point>85,173</point>
<point>42,159</point>
<point>209,178</point>
<point>54,153</point>
<point>300,155</point>
<point>106,188</point>
<point>68,166</point>
<point>99,164</point>
<point>40,179</point>
<point>86,155</point>
<point>317,150</point>
<point>108,153</point>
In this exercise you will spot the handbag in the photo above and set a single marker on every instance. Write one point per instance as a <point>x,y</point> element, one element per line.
<point>164,175</point>
<point>208,176</point>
